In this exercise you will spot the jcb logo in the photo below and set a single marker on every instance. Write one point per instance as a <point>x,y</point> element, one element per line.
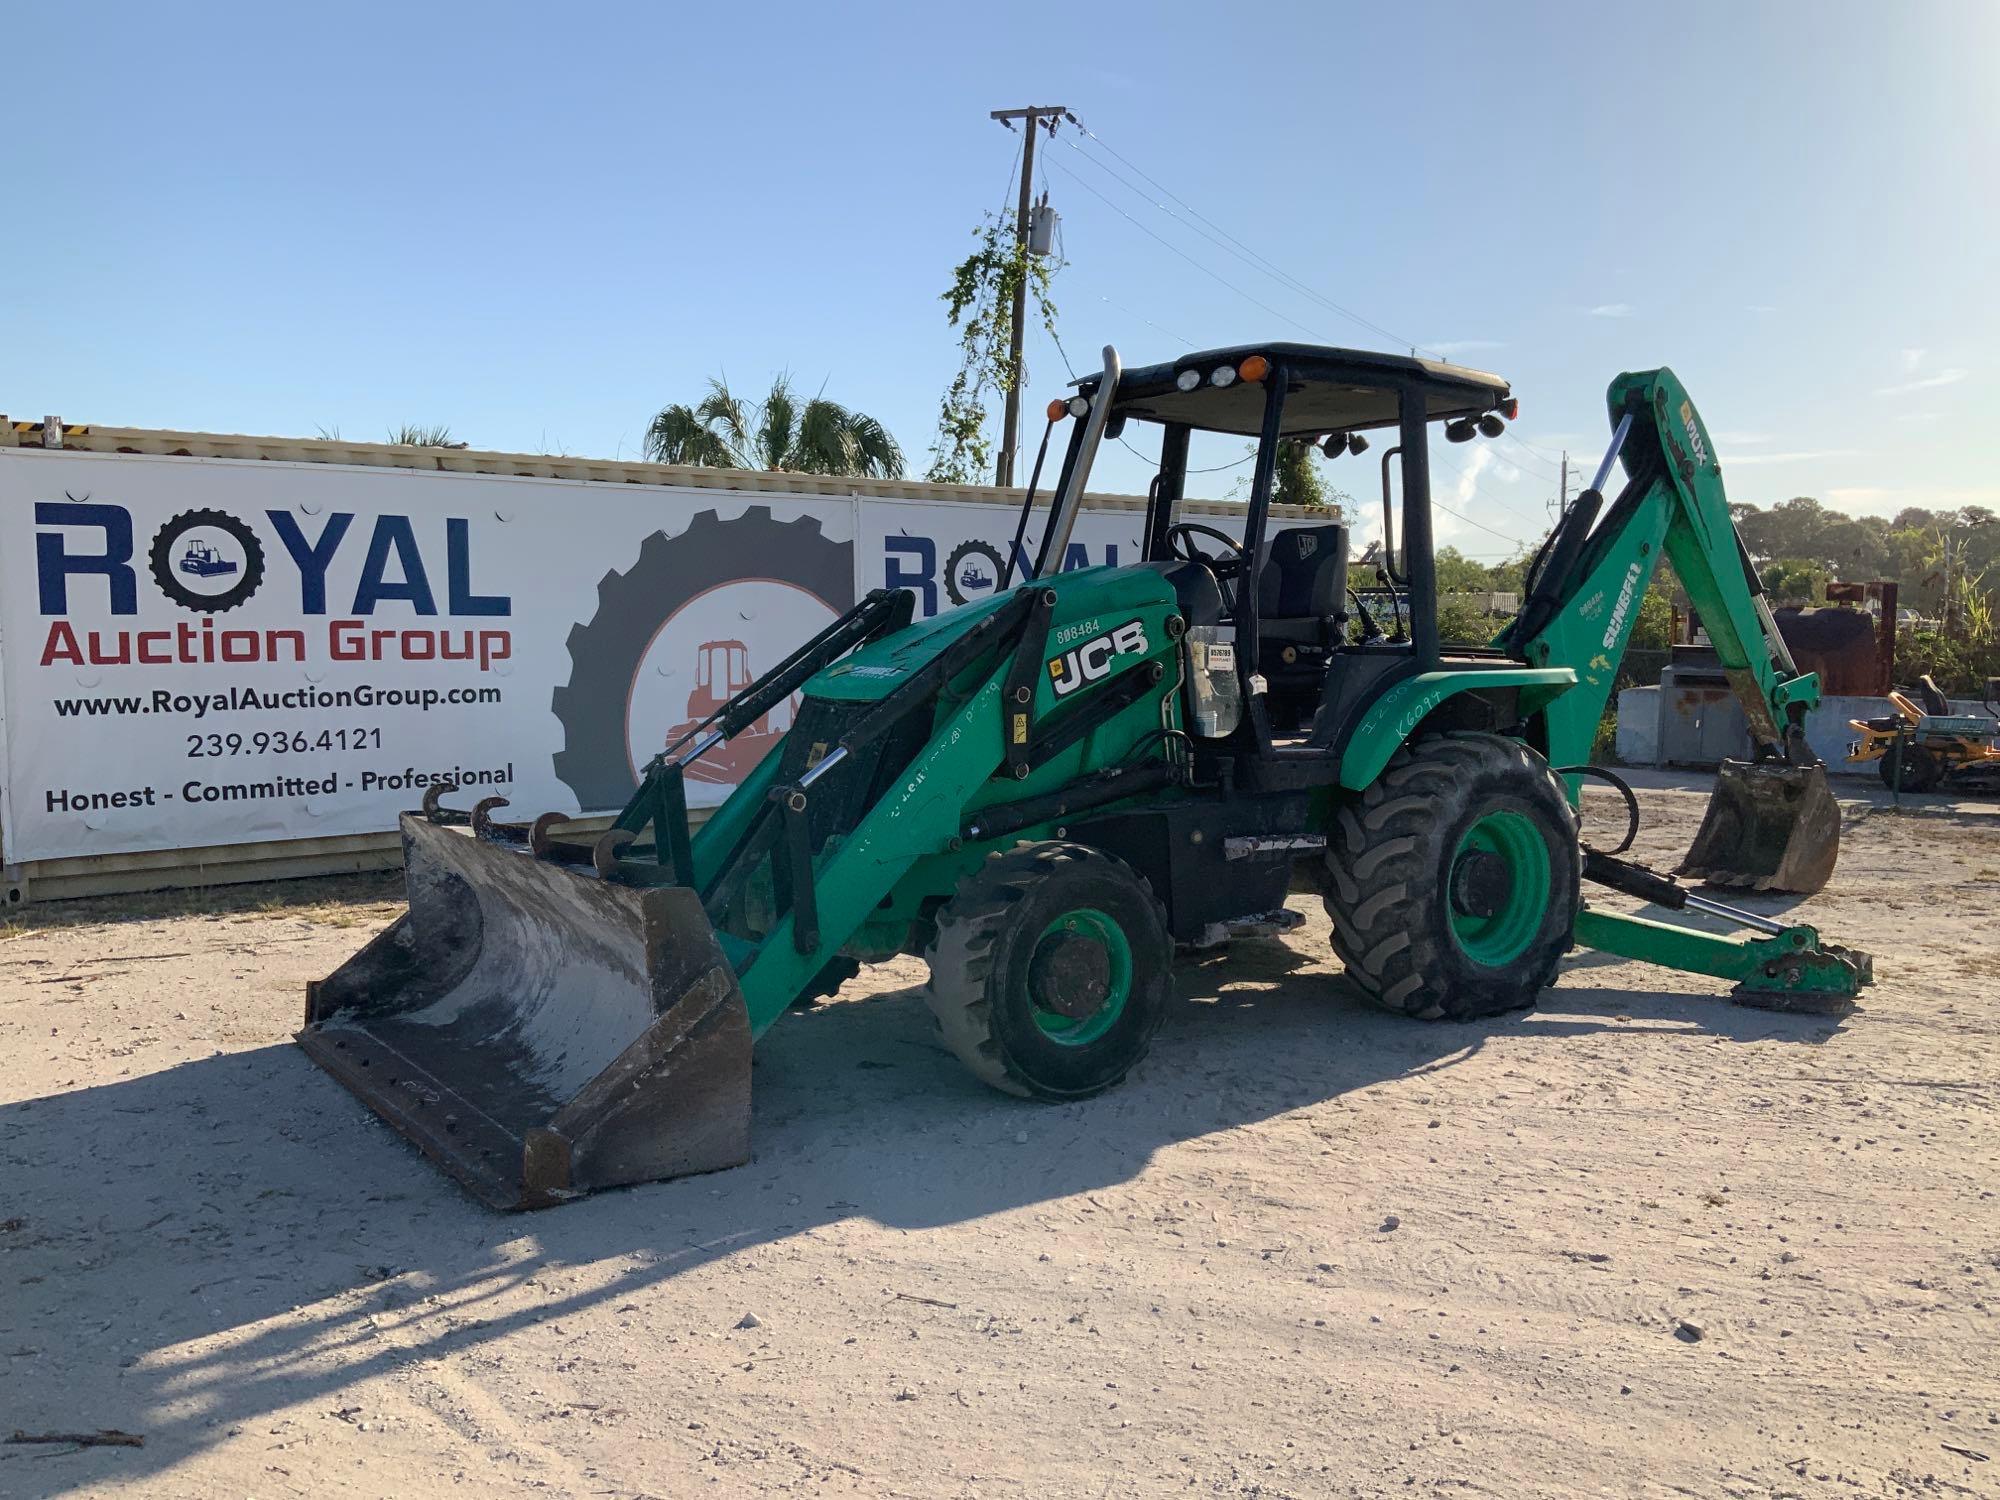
<point>1091,659</point>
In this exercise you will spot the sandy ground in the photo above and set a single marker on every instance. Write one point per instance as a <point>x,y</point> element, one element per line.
<point>1188,1286</point>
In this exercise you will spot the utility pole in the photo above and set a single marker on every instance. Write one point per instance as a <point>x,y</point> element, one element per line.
<point>1563,503</point>
<point>1044,116</point>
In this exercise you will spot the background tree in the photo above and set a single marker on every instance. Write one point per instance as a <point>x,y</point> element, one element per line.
<point>979,303</point>
<point>1296,480</point>
<point>1459,574</point>
<point>1794,580</point>
<point>781,432</point>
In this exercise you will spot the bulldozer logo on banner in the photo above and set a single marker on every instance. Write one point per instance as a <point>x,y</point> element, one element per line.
<point>1092,659</point>
<point>691,623</point>
<point>207,561</point>
<point>972,571</point>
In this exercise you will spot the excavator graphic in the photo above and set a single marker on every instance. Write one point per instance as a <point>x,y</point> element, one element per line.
<point>722,670</point>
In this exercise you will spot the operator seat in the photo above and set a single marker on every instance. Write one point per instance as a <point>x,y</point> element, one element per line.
<point>1301,612</point>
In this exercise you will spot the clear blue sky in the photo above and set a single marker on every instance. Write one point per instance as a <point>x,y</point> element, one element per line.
<point>538,224</point>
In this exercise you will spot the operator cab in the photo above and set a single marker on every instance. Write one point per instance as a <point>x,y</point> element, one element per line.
<point>1275,612</point>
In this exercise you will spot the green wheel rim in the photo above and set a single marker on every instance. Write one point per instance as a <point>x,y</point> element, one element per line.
<point>1510,930</point>
<point>1089,923</point>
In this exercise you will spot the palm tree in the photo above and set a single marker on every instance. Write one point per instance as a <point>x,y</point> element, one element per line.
<point>812,437</point>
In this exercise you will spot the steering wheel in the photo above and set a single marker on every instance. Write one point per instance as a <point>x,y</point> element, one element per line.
<point>1228,569</point>
<point>1180,542</point>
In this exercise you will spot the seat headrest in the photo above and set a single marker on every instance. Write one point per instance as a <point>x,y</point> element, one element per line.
<point>1304,573</point>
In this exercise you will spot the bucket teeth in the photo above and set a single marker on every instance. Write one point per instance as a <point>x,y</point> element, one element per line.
<point>436,812</point>
<point>543,843</point>
<point>496,833</point>
<point>609,849</point>
<point>540,837</point>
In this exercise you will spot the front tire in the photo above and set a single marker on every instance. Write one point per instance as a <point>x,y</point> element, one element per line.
<point>1453,881</point>
<point>1050,970</point>
<point>1921,771</point>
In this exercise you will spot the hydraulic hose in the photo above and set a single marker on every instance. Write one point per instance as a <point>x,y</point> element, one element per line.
<point>1624,789</point>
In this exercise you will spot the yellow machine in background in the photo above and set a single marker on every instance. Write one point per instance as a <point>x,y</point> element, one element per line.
<point>1938,746</point>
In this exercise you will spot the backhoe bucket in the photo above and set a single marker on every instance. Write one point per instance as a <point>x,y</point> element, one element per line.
<point>1769,828</point>
<point>538,1030</point>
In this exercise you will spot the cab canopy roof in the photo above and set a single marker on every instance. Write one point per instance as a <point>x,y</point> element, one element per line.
<point>1328,390</point>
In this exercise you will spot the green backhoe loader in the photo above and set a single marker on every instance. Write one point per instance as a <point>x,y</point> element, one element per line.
<point>1044,791</point>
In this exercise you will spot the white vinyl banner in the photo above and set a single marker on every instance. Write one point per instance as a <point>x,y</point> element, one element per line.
<point>198,651</point>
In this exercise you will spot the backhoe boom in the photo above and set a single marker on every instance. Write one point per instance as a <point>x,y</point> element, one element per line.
<point>1773,824</point>
<point>1673,505</point>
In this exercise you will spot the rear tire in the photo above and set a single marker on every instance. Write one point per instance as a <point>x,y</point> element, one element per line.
<point>1452,881</point>
<point>1050,970</point>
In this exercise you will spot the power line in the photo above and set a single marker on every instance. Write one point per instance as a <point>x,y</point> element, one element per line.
<point>1538,469</point>
<point>1063,352</point>
<point>1205,270</point>
<point>1226,241</point>
<point>1513,541</point>
<point>1257,261</point>
<point>1234,463</point>
<point>1177,338</point>
<point>1490,499</point>
<point>1014,165</point>
<point>1235,246</point>
<point>1540,453</point>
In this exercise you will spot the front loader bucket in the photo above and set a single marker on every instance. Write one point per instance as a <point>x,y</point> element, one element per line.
<point>1769,828</point>
<point>538,1030</point>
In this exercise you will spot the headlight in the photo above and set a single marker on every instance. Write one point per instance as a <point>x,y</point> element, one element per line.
<point>1187,380</point>
<point>1222,375</point>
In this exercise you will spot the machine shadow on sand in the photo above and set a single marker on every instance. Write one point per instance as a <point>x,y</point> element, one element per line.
<point>320,1278</point>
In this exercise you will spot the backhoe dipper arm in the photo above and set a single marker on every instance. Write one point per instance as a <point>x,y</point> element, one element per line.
<point>1587,584</point>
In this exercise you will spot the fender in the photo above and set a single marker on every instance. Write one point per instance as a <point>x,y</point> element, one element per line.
<point>1398,712</point>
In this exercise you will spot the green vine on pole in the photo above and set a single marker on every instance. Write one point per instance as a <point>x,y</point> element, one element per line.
<point>980,304</point>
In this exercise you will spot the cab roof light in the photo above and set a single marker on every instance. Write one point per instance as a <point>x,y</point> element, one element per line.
<point>1187,380</point>
<point>1511,408</point>
<point>1491,425</point>
<point>1222,375</point>
<point>1058,409</point>
<point>1253,369</point>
